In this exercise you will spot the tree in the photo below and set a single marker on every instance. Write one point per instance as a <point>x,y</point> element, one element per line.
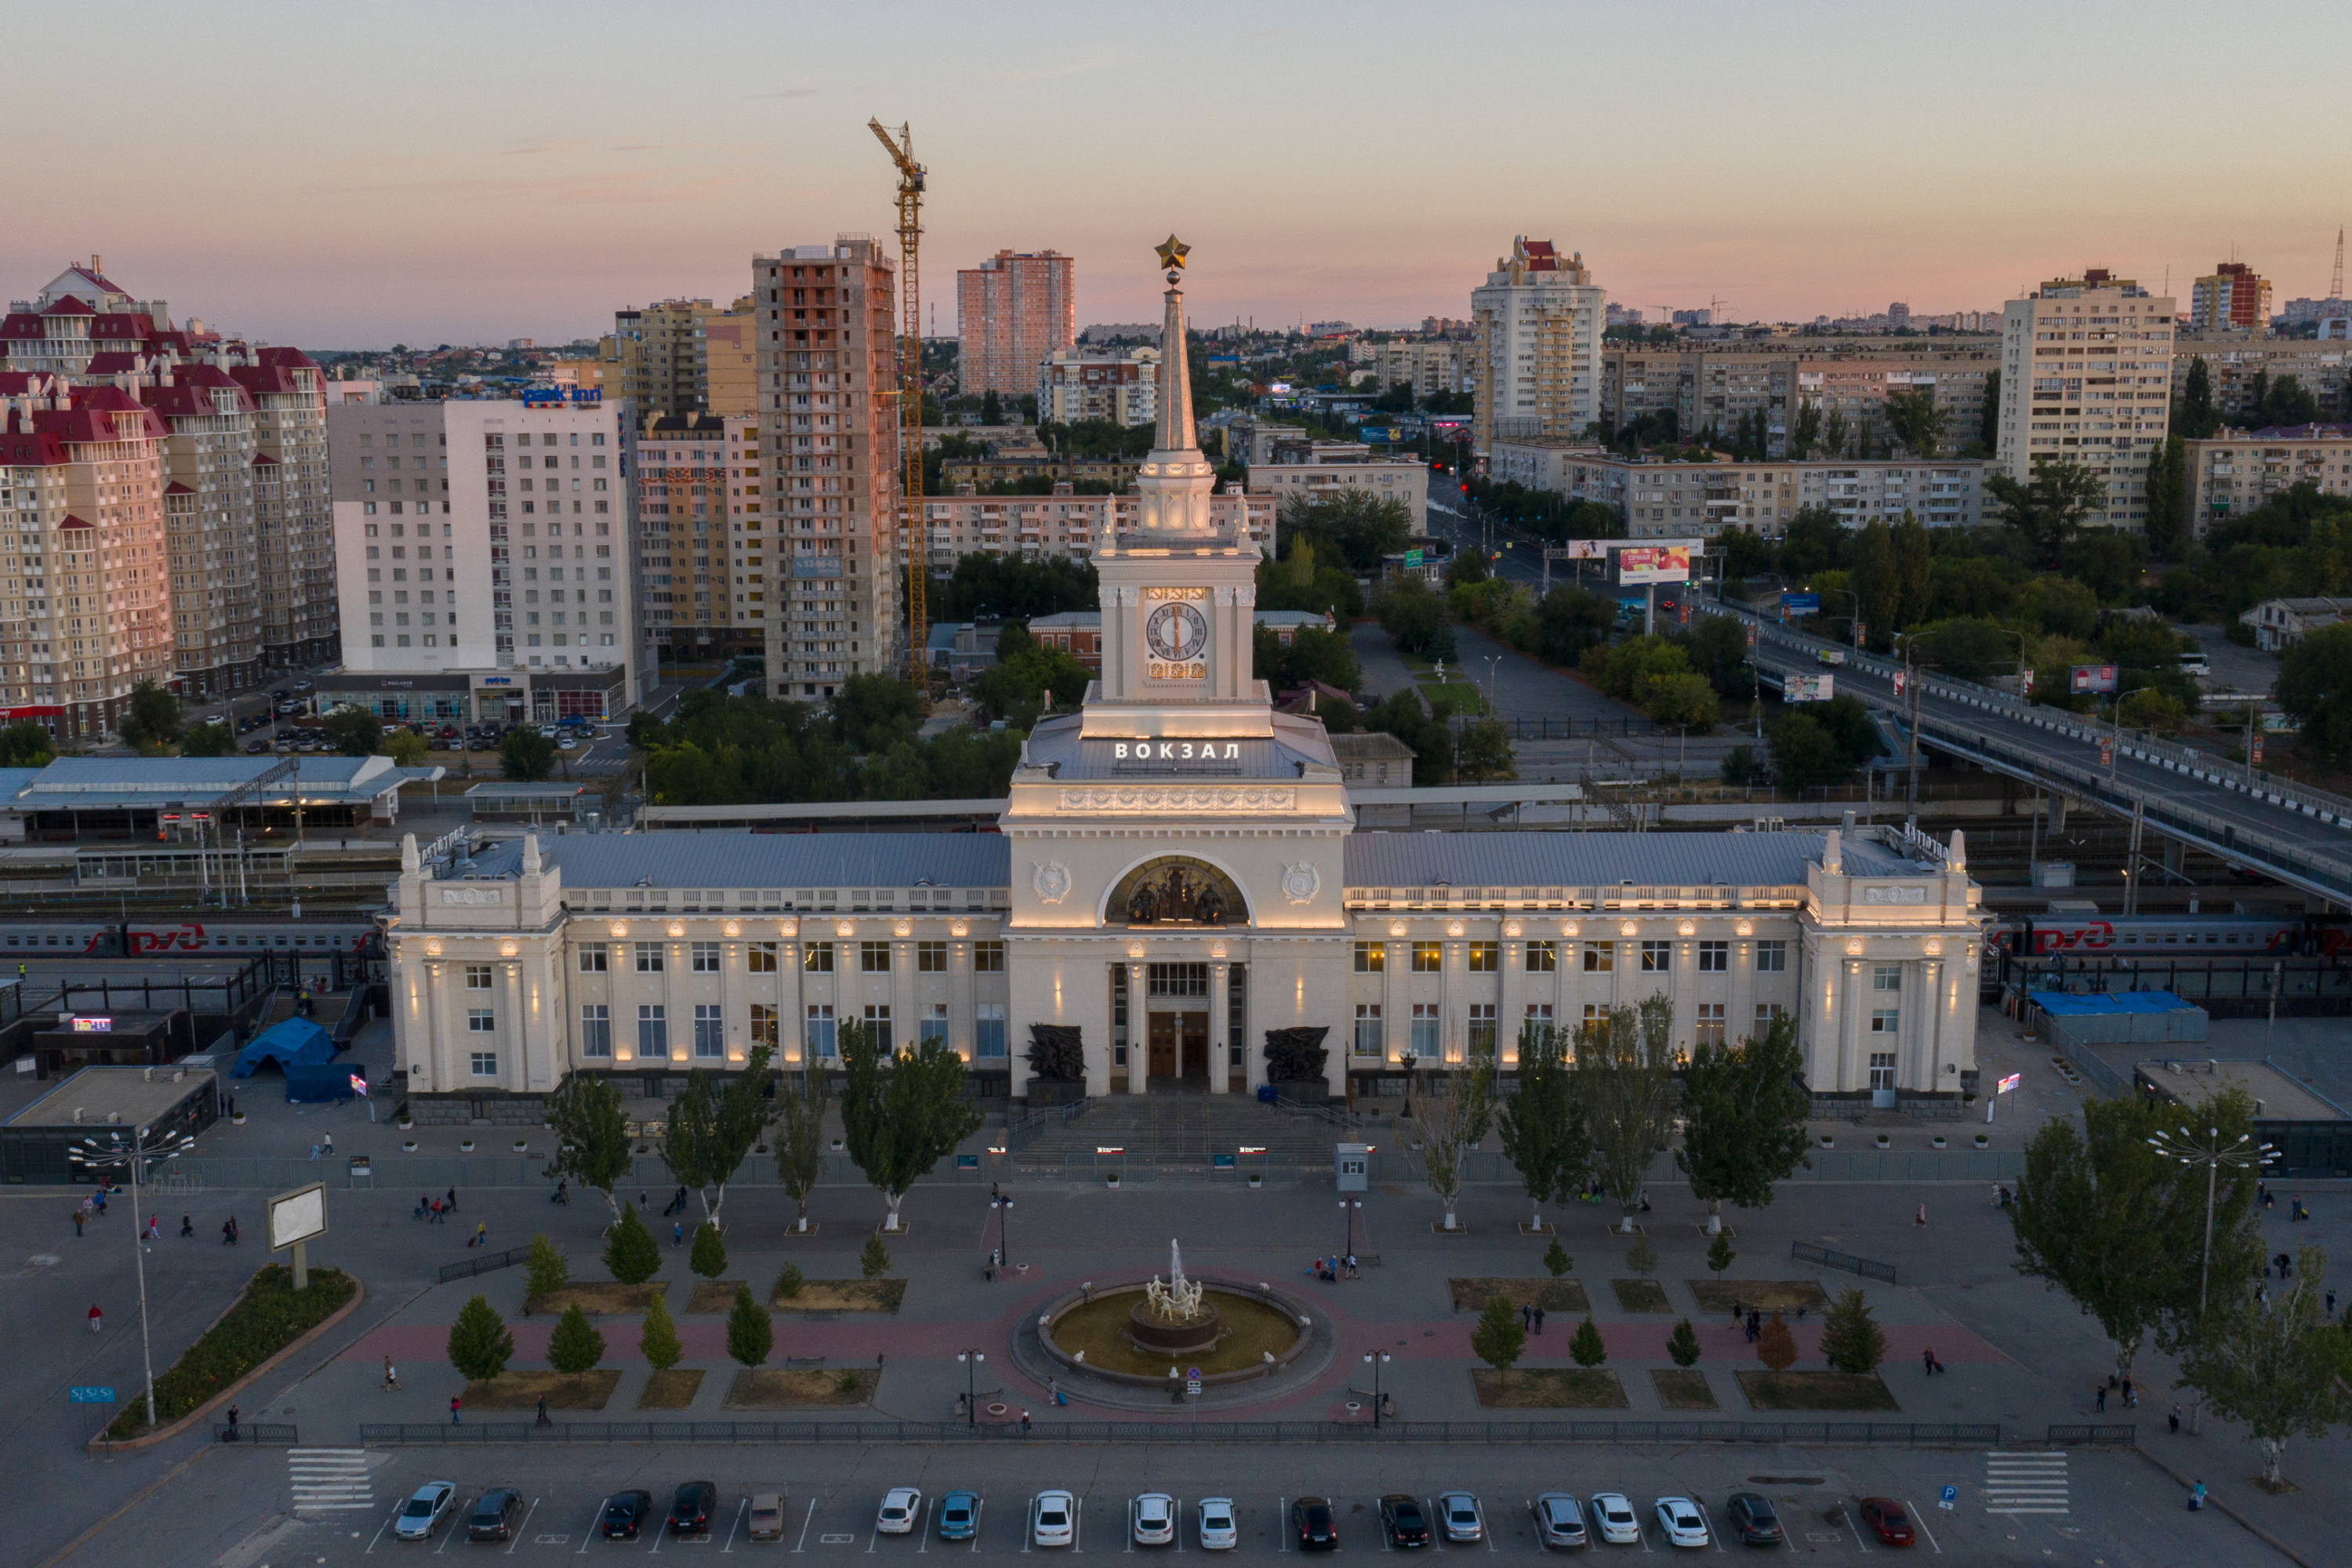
<point>1451,1123</point>
<point>751,1334</point>
<point>2198,418</point>
<point>1719,1255</point>
<point>1545,1135</point>
<point>708,1256</point>
<point>526,756</point>
<point>208,741</point>
<point>480,1344</point>
<point>405,747</point>
<point>1414,617</point>
<point>353,730</point>
<point>1498,1335</point>
<point>592,1136</point>
<point>2314,686</point>
<point>1915,570</point>
<point>2167,497</point>
<point>712,1129</point>
<point>1805,755</point>
<point>26,744</point>
<point>1683,702</point>
<point>1989,419</point>
<point>1588,1349</point>
<point>1625,1075</point>
<point>1807,432</point>
<point>2049,507</point>
<point>1483,753</point>
<point>2270,1366</point>
<point>575,1346</point>
<point>549,1272</point>
<point>901,1114</point>
<point>790,1281</point>
<point>658,1342</point>
<point>1851,1341</point>
<point>630,1252</point>
<point>153,719</point>
<point>1556,1259</point>
<point>991,408</point>
<point>875,1261</point>
<point>1642,1259</point>
<point>1776,1347</point>
<point>1744,1113</point>
<point>800,1139</point>
<point>1683,1344</point>
<point>1916,421</point>
<point>1833,434</point>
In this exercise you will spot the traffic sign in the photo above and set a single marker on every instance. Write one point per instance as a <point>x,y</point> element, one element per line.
<point>1192,1383</point>
<point>2010,1082</point>
<point>100,1393</point>
<point>2106,751</point>
<point>1950,1499</point>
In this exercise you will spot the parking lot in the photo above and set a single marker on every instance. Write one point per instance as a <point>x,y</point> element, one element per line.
<point>2107,1508</point>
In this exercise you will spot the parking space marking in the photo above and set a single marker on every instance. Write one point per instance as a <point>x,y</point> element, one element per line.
<point>1859,1545</point>
<point>1921,1521</point>
<point>979,1506</point>
<point>1078,1526</point>
<point>1177,1540</point>
<point>595,1522</point>
<point>1714,1536</point>
<point>382,1528</point>
<point>659,1531</point>
<point>741,1504</point>
<point>524,1527</point>
<point>449,1534</point>
<point>923,1530</point>
<point>1282,1524</point>
<point>806,1518</point>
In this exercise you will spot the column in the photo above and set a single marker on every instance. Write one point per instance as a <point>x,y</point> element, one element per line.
<point>906,1027</point>
<point>677,1021</point>
<point>1853,1013</point>
<point>1139,1031</point>
<point>1928,1068</point>
<point>792,1028</point>
<point>1452,1016</point>
<point>963,1002</point>
<point>1396,1022</point>
<point>511,1033</point>
<point>1741,1021</point>
<point>1684,988</point>
<point>734,1003</point>
<point>1220,1017</point>
<point>1508,1007</point>
<point>426,1050</point>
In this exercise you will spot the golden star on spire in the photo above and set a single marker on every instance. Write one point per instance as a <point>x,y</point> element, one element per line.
<point>1172,254</point>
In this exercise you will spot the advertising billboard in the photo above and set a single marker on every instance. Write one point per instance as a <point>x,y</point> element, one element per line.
<point>2086,677</point>
<point>298,1215</point>
<point>1801,604</point>
<point>1587,550</point>
<point>1638,563</point>
<point>1808,688</point>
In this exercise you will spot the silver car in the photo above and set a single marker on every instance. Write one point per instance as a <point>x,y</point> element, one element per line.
<point>1218,1532</point>
<point>1458,1513</point>
<point>1560,1519</point>
<point>423,1511</point>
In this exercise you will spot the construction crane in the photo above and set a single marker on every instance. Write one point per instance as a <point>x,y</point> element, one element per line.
<point>915,528</point>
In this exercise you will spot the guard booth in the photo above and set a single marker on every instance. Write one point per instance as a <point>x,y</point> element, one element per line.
<point>1351,1166</point>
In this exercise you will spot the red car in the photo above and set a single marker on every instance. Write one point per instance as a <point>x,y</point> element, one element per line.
<point>1885,1516</point>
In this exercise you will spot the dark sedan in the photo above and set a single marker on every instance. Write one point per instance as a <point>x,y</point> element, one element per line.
<point>626,1514</point>
<point>1312,1525</point>
<point>1885,1516</point>
<point>689,1511</point>
<point>1402,1519</point>
<point>1752,1519</point>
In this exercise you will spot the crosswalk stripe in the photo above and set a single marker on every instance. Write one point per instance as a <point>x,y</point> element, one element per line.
<point>326,1479</point>
<point>2026,1484</point>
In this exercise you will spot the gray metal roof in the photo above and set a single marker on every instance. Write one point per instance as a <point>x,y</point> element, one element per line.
<point>91,783</point>
<point>1579,859</point>
<point>1285,756</point>
<point>765,859</point>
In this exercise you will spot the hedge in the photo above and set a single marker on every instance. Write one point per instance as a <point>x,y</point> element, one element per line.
<point>266,1318</point>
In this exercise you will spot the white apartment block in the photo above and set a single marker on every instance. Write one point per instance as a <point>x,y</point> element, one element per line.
<point>2086,374</point>
<point>2320,366</point>
<point>1429,368</point>
<point>1712,390</point>
<point>1033,527</point>
<point>1673,500</point>
<point>1314,468</point>
<point>1119,385</point>
<point>1538,353</point>
<point>2238,471</point>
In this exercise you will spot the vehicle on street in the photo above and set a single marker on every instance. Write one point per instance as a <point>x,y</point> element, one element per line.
<point>1402,1521</point>
<point>1313,1526</point>
<point>901,1507</point>
<point>567,744</point>
<point>1218,1531</point>
<point>1053,1520</point>
<point>1829,655</point>
<point>767,1521</point>
<point>959,1516</point>
<point>1152,1518</point>
<point>1459,1511</point>
<point>1752,1519</point>
<point>1612,1516</point>
<point>690,1510</point>
<point>426,1507</point>
<point>626,1514</point>
<point>1558,1521</point>
<point>1888,1519</point>
<point>494,1515</point>
<point>1680,1521</point>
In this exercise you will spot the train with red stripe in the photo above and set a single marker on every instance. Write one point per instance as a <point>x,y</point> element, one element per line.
<point>191,936</point>
<point>2170,936</point>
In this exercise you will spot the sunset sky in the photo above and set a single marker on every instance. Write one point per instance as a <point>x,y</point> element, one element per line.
<point>343,176</point>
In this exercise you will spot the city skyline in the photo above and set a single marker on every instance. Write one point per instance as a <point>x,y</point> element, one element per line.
<point>476,192</point>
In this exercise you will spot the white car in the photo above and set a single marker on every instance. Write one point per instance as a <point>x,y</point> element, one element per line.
<point>901,1508</point>
<point>1558,1521</point>
<point>1154,1516</point>
<point>1458,1513</point>
<point>1612,1516</point>
<point>423,1511</point>
<point>1218,1532</point>
<point>567,744</point>
<point>1053,1520</point>
<point>1681,1522</point>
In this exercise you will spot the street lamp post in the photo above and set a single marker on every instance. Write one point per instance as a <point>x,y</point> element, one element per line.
<point>1349,1206</point>
<point>971,1360</point>
<point>1003,1207</point>
<point>98,1156</point>
<point>2213,1154</point>
<point>1376,1360</point>
<point>1492,660</point>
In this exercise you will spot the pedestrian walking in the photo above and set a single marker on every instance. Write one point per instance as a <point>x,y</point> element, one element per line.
<point>187,1224</point>
<point>1927,1358</point>
<point>2173,1420</point>
<point>154,1227</point>
<point>330,1141</point>
<point>2100,1404</point>
<point>482,1237</point>
<point>453,1410</point>
<point>314,1153</point>
<point>390,1377</point>
<point>678,1233</point>
<point>542,1419</point>
<point>1539,1319</point>
<point>228,1233</point>
<point>1024,1421</point>
<point>2197,1498</point>
<point>451,1201</point>
<point>77,1219</point>
<point>2129,1397</point>
<point>2331,1303</point>
<point>1527,1319</point>
<point>232,1422</point>
<point>96,1319</point>
<point>1920,1219</point>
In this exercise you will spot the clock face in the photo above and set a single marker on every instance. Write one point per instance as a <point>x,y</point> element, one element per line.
<point>1176,632</point>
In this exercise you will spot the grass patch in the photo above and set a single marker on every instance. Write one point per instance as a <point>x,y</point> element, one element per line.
<point>268,1316</point>
<point>1683,1389</point>
<point>1715,1297</point>
<point>564,1390</point>
<point>1552,1295</point>
<point>1816,1390</point>
<point>836,1296</point>
<point>1250,1329</point>
<point>773,1388</point>
<point>1549,1388</point>
<point>597,1298</point>
<point>671,1390</point>
<point>712,1296</point>
<point>1641,1296</point>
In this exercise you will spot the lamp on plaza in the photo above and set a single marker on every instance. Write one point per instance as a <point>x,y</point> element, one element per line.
<point>115,1154</point>
<point>1376,1360</point>
<point>2238,1153</point>
<point>970,1360</point>
<point>1003,1204</point>
<point>1349,1206</point>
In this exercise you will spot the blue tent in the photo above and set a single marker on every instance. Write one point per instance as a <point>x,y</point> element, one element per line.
<point>313,1083</point>
<point>296,1042</point>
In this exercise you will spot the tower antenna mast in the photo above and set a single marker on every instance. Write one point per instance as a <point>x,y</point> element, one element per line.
<point>2336,278</point>
<point>914,527</point>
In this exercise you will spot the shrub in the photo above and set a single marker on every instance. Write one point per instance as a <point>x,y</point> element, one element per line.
<point>659,1342</point>
<point>1642,1259</point>
<point>576,1345</point>
<point>1683,1344</point>
<point>630,1250</point>
<point>1775,1346</point>
<point>1557,1259</point>
<point>549,1272</point>
<point>875,1259</point>
<point>1740,767</point>
<point>708,1258</point>
<point>750,1335</point>
<point>789,1280</point>
<point>268,1316</point>
<point>1851,1340</point>
<point>1719,1254</point>
<point>1587,1347</point>
<point>1498,1335</point>
<point>480,1344</point>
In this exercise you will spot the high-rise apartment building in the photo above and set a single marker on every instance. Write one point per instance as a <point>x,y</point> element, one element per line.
<point>2232,299</point>
<point>659,356</point>
<point>1013,310</point>
<point>1538,345</point>
<point>828,366</point>
<point>703,556</point>
<point>1123,387</point>
<point>2087,370</point>
<point>1717,391</point>
<point>1432,367</point>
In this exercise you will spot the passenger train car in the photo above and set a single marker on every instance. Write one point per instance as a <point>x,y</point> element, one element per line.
<point>2168,936</point>
<point>141,936</point>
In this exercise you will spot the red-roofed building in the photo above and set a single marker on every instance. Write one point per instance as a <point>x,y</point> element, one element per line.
<point>1537,364</point>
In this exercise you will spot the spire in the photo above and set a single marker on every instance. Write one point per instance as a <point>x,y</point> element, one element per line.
<point>1176,433</point>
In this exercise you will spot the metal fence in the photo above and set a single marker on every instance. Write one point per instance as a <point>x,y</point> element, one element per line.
<point>267,1434</point>
<point>2099,1436</point>
<point>484,1263</point>
<point>1829,1258</point>
<point>1958,1434</point>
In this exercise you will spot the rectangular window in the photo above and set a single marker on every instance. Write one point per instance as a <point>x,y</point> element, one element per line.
<point>486,1064</point>
<point>818,958</point>
<point>987,1040</point>
<point>595,1028</point>
<point>1425,1031</point>
<point>481,1021</point>
<point>1485,957</point>
<point>1369,1040</point>
<point>592,959</point>
<point>1710,1023</point>
<point>988,957</point>
<point>878,1026</point>
<point>649,958</point>
<point>710,1032</point>
<point>1771,958</point>
<point>1714,957</point>
<point>1765,1012</point>
<point>1600,957</point>
<point>478,977</point>
<point>704,958</point>
<point>1657,957</point>
<point>1543,957</point>
<point>1885,1020</point>
<point>933,1024</point>
<point>930,958</point>
<point>760,958</point>
<point>1886,977</point>
<point>873,958</point>
<point>1882,1069</point>
<point>1539,1015</point>
<point>1371,958</point>
<point>653,1032</point>
<point>822,1044</point>
<point>764,1029</point>
<point>1482,1028</point>
<point>1428,958</point>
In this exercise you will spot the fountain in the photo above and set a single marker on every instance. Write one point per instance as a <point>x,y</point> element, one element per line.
<point>1173,1315</point>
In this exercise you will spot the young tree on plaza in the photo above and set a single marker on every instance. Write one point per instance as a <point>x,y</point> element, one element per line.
<point>592,1136</point>
<point>2269,1364</point>
<point>1851,1339</point>
<point>711,1129</point>
<point>1743,1110</point>
<point>800,1138</point>
<point>751,1333</point>
<point>1451,1123</point>
<point>708,1256</point>
<point>657,1341</point>
<point>902,1113</point>
<point>576,1346</point>
<point>1625,1073</point>
<point>1498,1335</point>
<point>1545,1135</point>
<point>480,1343</point>
<point>630,1250</point>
